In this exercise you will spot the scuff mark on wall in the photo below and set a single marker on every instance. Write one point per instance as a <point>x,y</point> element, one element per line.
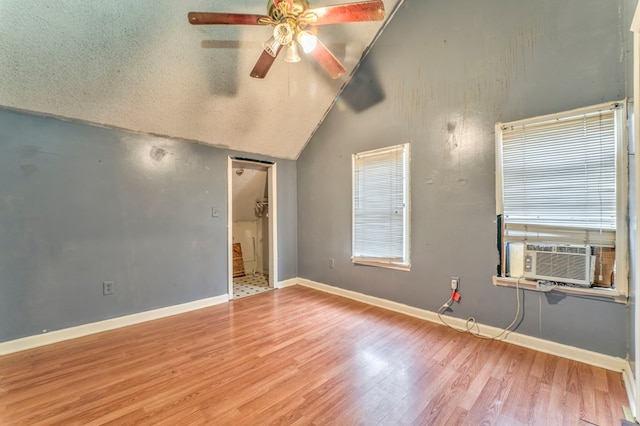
<point>419,92</point>
<point>28,169</point>
<point>518,52</point>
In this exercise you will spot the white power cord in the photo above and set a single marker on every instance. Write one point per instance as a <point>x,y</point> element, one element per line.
<point>471,325</point>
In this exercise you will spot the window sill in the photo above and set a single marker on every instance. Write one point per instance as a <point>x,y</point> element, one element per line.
<point>526,284</point>
<point>397,266</point>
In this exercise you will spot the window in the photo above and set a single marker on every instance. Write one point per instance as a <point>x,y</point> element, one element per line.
<point>381,207</point>
<point>562,181</point>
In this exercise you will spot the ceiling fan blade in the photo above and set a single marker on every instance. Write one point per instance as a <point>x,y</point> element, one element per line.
<point>211,18</point>
<point>264,63</point>
<point>330,63</point>
<point>350,12</point>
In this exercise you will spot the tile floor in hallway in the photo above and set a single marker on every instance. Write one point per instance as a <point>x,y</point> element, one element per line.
<point>250,285</point>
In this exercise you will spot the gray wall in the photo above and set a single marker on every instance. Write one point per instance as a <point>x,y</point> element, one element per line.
<point>447,71</point>
<point>80,205</point>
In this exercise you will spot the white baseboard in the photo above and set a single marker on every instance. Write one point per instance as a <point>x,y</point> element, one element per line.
<point>110,324</point>
<point>630,387</point>
<point>287,283</point>
<point>582,355</point>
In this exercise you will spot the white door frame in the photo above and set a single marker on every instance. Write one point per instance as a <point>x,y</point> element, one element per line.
<point>272,169</point>
<point>272,173</point>
<point>635,27</point>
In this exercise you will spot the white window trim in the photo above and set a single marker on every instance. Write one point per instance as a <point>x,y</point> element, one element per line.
<point>621,292</point>
<point>405,265</point>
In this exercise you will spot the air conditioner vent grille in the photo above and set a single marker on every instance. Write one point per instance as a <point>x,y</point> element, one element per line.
<point>558,249</point>
<point>561,265</point>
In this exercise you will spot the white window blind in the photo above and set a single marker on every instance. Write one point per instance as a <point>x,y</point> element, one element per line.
<point>381,206</point>
<point>559,177</point>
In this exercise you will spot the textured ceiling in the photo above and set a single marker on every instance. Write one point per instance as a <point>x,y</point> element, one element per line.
<point>140,65</point>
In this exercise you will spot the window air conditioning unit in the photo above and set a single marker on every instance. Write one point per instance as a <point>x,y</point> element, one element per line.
<point>561,263</point>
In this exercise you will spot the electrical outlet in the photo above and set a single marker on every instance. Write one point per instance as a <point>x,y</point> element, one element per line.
<point>332,263</point>
<point>107,288</point>
<point>455,281</point>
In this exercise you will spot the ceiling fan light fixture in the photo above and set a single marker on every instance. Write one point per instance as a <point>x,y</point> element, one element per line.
<point>307,40</point>
<point>271,46</point>
<point>292,53</point>
<point>283,33</point>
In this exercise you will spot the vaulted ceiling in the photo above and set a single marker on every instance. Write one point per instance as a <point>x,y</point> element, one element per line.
<point>139,65</point>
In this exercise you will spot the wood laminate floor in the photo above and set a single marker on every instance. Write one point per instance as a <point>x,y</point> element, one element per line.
<point>297,356</point>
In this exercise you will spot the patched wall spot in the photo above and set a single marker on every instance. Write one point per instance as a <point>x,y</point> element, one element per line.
<point>157,154</point>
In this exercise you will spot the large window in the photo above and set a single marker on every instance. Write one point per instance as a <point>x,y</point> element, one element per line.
<point>562,184</point>
<point>381,207</point>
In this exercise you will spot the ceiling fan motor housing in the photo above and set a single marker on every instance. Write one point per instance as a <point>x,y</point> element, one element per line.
<point>271,5</point>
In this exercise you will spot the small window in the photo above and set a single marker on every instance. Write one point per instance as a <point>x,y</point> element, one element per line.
<point>381,207</point>
<point>562,182</point>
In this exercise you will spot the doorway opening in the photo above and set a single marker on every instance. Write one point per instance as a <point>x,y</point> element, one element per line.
<point>252,233</point>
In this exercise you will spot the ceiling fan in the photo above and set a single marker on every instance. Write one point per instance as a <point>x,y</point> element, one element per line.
<point>293,22</point>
